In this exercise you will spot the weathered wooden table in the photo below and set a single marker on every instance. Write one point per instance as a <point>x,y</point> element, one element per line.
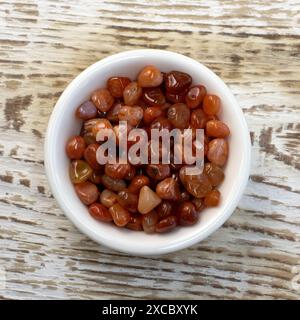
<point>253,45</point>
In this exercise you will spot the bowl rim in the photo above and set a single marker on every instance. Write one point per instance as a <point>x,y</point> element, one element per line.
<point>212,227</point>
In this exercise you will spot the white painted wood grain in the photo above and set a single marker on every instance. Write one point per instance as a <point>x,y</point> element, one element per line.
<point>254,46</point>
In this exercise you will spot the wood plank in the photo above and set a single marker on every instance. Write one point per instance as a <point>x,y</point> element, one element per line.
<point>254,46</point>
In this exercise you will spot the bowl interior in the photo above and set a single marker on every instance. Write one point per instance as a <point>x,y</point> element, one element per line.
<point>63,124</point>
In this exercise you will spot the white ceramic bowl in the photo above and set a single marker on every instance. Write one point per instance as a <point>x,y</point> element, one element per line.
<point>63,124</point>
